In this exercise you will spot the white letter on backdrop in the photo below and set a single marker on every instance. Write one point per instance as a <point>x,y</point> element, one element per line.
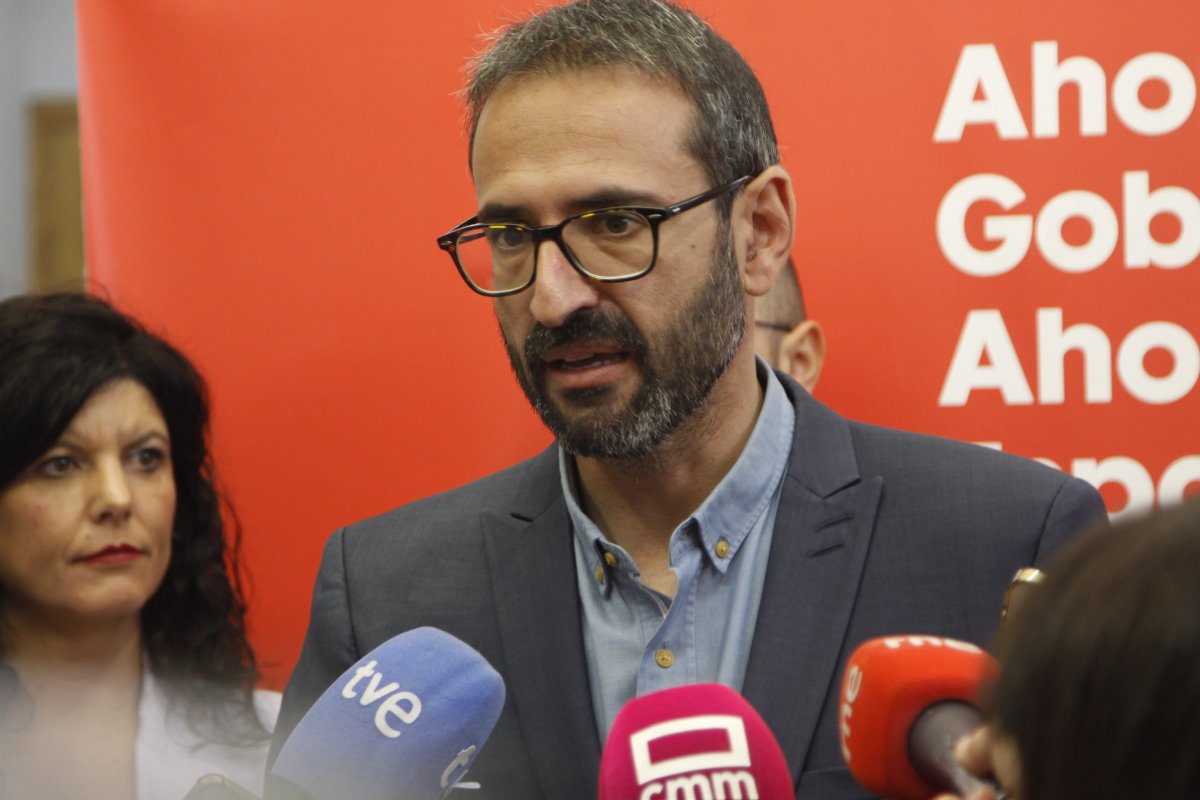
<point>979,71</point>
<point>985,335</point>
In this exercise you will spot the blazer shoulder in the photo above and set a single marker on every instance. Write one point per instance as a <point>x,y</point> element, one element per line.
<point>992,487</point>
<point>931,472</point>
<point>831,451</point>
<point>890,451</point>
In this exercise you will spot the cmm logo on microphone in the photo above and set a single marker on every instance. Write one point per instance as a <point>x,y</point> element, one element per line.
<point>705,757</point>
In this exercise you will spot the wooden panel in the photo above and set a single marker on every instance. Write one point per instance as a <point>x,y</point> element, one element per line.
<point>56,252</point>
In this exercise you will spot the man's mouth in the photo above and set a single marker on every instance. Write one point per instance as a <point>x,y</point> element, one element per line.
<point>588,361</point>
<point>586,357</point>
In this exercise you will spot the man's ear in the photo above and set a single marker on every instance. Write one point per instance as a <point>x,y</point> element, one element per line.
<point>802,353</point>
<point>766,219</point>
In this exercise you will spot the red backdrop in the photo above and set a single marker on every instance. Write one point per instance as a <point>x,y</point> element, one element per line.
<point>264,182</point>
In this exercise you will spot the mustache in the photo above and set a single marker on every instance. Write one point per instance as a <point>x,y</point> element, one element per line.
<point>585,326</point>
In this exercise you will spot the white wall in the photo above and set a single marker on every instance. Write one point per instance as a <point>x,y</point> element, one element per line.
<point>37,61</point>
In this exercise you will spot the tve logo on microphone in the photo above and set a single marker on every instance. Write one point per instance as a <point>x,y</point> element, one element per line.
<point>699,742</point>
<point>694,757</point>
<point>404,706</point>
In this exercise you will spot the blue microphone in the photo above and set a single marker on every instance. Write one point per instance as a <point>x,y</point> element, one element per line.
<point>406,721</point>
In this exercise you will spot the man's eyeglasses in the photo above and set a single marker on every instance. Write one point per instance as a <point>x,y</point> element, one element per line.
<point>608,244</point>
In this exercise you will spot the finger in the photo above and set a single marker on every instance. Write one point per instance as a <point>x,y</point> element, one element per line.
<point>974,752</point>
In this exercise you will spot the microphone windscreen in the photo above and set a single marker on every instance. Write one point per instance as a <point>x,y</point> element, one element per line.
<point>888,683</point>
<point>702,740</point>
<point>406,721</point>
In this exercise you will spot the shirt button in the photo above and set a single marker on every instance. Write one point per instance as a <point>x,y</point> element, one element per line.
<point>600,575</point>
<point>722,548</point>
<point>664,658</point>
<point>610,559</point>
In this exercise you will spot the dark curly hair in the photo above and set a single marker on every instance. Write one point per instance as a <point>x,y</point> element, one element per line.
<point>56,351</point>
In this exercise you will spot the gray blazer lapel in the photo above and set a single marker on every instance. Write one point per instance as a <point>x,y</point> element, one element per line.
<point>532,570</point>
<point>822,532</point>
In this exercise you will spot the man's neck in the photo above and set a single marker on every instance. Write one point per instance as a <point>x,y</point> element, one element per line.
<point>639,504</point>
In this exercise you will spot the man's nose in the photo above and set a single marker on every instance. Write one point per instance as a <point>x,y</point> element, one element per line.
<point>559,290</point>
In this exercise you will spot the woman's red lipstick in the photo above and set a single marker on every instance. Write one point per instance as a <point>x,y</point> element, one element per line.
<point>113,554</point>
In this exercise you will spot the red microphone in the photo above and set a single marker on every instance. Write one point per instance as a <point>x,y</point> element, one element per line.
<point>702,740</point>
<point>906,700</point>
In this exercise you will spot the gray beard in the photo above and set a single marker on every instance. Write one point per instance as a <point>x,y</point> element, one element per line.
<point>679,368</point>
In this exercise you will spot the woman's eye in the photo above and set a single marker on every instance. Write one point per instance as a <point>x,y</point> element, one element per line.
<point>148,459</point>
<point>56,466</point>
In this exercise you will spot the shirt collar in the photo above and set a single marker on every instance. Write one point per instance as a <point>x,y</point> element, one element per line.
<point>727,515</point>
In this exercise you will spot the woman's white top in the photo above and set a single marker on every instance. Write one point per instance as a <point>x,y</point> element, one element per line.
<point>169,758</point>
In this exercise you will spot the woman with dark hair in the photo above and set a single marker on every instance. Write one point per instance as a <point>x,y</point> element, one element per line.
<point>124,666</point>
<point>1098,695</point>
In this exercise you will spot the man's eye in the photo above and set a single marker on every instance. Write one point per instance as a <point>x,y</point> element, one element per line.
<point>616,224</point>
<point>507,238</point>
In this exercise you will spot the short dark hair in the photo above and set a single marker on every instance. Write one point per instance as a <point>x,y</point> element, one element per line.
<point>1100,677</point>
<point>733,134</point>
<point>56,351</point>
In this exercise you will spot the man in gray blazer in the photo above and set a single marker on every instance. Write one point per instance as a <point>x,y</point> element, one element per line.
<point>701,518</point>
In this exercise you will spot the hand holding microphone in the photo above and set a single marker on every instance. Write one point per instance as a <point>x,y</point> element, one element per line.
<point>982,753</point>
<point>404,723</point>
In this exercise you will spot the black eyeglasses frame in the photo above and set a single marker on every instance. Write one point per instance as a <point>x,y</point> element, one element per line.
<point>653,215</point>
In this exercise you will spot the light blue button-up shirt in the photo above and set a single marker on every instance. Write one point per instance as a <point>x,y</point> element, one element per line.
<point>638,640</point>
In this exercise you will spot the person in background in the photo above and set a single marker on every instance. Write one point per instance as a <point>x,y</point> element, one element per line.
<point>124,666</point>
<point>784,335</point>
<point>1098,694</point>
<point>700,517</point>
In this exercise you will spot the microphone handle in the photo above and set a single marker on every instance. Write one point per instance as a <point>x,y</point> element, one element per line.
<point>931,741</point>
